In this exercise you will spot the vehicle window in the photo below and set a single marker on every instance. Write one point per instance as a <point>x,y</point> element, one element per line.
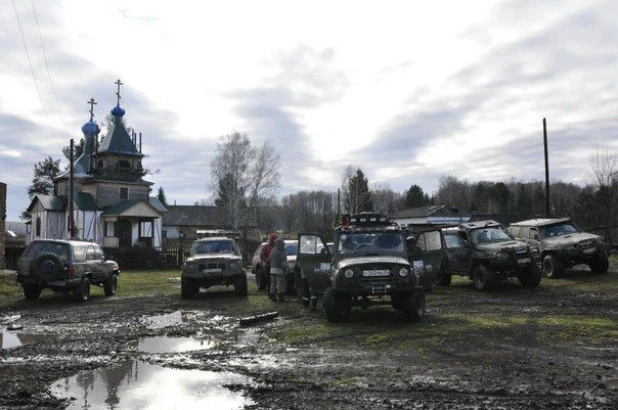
<point>310,244</point>
<point>291,248</point>
<point>80,253</point>
<point>515,231</point>
<point>90,255</point>
<point>532,232</point>
<point>453,241</point>
<point>353,242</point>
<point>216,246</point>
<point>432,241</point>
<point>559,230</point>
<point>489,235</point>
<point>420,242</point>
<point>99,253</point>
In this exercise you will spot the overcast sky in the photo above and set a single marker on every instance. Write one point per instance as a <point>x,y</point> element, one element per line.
<point>407,90</point>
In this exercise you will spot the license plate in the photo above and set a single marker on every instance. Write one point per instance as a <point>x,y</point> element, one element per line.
<point>524,260</point>
<point>589,251</point>
<point>376,272</point>
<point>215,270</point>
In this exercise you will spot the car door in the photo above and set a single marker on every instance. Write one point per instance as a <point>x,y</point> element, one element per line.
<point>457,250</point>
<point>426,254</point>
<point>314,258</point>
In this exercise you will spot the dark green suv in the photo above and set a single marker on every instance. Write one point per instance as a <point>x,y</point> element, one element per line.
<point>561,245</point>
<point>369,265</point>
<point>485,253</point>
<point>213,261</point>
<point>65,265</point>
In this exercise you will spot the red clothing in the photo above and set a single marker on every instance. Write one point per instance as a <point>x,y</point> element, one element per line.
<point>265,255</point>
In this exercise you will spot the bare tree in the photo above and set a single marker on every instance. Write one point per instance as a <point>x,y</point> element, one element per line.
<point>385,200</point>
<point>231,174</point>
<point>605,183</point>
<point>243,176</point>
<point>453,192</point>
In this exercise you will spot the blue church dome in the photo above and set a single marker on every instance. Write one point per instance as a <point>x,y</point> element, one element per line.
<point>118,111</point>
<point>91,128</point>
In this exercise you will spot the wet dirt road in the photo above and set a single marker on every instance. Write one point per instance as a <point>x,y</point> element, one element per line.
<point>554,347</point>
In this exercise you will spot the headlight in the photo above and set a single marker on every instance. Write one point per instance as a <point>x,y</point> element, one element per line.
<point>403,272</point>
<point>232,265</point>
<point>348,273</point>
<point>501,255</point>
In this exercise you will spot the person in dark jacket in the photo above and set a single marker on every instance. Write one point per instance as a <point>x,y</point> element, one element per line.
<point>265,258</point>
<point>278,268</point>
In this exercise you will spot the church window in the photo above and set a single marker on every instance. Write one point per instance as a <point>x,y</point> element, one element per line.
<point>38,226</point>
<point>124,192</point>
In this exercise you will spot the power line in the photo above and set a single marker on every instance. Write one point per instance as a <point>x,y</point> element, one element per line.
<point>36,18</point>
<point>36,83</point>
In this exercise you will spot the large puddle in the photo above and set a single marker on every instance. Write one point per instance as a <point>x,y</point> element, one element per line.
<point>10,339</point>
<point>165,344</point>
<point>138,385</point>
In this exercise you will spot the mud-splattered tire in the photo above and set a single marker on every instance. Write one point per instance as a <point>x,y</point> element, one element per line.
<point>413,307</point>
<point>531,277</point>
<point>188,288</point>
<point>111,286</point>
<point>337,307</point>
<point>599,264</point>
<point>32,291</point>
<point>484,278</point>
<point>553,267</point>
<point>240,285</point>
<point>82,292</point>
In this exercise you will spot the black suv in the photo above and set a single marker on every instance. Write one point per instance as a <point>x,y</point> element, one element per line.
<point>213,261</point>
<point>486,254</point>
<point>65,265</point>
<point>561,245</point>
<point>369,266</point>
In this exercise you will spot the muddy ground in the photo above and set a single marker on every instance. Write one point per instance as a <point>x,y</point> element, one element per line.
<point>553,347</point>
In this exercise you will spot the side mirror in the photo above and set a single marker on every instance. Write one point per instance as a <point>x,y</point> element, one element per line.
<point>536,237</point>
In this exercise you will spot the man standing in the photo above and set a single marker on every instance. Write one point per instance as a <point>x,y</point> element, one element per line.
<point>265,258</point>
<point>278,267</point>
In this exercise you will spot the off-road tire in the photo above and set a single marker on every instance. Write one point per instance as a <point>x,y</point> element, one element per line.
<point>260,280</point>
<point>553,267</point>
<point>46,267</point>
<point>82,292</point>
<point>111,286</point>
<point>240,285</point>
<point>32,291</point>
<point>336,307</point>
<point>484,278</point>
<point>599,264</point>
<point>413,306</point>
<point>531,277</point>
<point>188,288</point>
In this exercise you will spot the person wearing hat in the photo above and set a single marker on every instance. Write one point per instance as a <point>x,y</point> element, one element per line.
<point>265,257</point>
<point>278,267</point>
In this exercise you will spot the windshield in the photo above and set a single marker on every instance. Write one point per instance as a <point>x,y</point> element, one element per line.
<point>489,235</point>
<point>354,242</point>
<point>218,246</point>
<point>290,248</point>
<point>558,230</point>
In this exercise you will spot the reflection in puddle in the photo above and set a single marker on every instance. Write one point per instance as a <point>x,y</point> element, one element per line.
<point>161,321</point>
<point>11,339</point>
<point>139,385</point>
<point>165,344</point>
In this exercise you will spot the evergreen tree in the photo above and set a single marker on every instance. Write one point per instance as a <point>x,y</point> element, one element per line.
<point>415,197</point>
<point>357,195</point>
<point>44,173</point>
<point>161,196</point>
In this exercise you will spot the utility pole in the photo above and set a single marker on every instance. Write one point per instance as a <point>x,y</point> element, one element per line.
<point>71,193</point>
<point>547,209</point>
